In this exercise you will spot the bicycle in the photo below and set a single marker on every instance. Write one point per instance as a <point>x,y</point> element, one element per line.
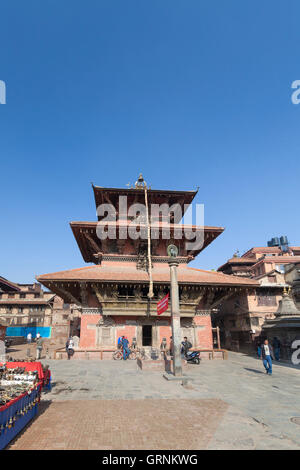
<point>118,355</point>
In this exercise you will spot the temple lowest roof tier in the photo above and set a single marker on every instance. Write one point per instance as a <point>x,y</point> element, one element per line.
<point>113,272</point>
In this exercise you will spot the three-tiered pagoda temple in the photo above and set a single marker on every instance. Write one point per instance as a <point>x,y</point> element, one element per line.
<point>113,293</point>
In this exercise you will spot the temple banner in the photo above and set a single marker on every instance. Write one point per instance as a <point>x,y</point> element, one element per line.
<point>163,305</point>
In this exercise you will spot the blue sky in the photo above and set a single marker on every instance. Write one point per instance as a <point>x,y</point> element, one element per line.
<point>191,93</point>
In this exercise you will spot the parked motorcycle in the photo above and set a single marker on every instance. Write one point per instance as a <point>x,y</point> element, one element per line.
<point>193,357</point>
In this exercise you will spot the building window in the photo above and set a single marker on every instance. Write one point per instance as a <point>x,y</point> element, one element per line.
<point>20,309</point>
<point>36,296</point>
<point>11,296</point>
<point>22,296</point>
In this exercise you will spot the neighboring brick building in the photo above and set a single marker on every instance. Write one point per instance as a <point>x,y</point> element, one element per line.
<point>27,307</point>
<point>241,317</point>
<point>113,294</point>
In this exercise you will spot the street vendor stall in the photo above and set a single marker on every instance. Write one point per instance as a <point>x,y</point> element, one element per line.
<point>29,366</point>
<point>20,389</point>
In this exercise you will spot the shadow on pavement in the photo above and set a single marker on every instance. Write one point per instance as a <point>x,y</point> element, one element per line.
<point>254,370</point>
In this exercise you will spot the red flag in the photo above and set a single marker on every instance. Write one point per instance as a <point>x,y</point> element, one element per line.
<point>163,305</point>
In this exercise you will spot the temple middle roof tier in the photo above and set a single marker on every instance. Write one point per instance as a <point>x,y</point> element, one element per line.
<point>162,234</point>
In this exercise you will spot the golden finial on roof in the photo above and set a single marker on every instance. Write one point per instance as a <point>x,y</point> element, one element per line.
<point>140,183</point>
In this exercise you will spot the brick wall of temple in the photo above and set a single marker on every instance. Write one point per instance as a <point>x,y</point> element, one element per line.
<point>200,335</point>
<point>87,332</point>
<point>204,331</point>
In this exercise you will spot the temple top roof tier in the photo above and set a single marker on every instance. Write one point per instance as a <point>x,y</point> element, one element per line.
<point>137,196</point>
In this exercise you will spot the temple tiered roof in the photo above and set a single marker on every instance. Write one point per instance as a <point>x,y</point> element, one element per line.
<point>89,244</point>
<point>134,195</point>
<point>110,271</point>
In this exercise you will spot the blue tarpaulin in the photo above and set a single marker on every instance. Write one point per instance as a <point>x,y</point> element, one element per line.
<point>45,331</point>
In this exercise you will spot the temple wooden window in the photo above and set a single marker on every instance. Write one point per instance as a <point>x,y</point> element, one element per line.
<point>145,291</point>
<point>180,292</point>
<point>156,292</point>
<point>11,296</point>
<point>125,291</point>
<point>22,296</point>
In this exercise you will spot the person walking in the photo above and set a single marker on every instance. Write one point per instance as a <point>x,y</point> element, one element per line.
<point>276,346</point>
<point>125,344</point>
<point>70,347</point>
<point>29,338</point>
<point>39,347</point>
<point>267,356</point>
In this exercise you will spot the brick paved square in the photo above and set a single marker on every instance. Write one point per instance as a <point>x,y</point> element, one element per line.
<point>121,424</point>
<point>113,405</point>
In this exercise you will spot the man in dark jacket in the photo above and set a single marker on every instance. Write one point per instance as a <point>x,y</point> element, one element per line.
<point>267,356</point>
<point>186,345</point>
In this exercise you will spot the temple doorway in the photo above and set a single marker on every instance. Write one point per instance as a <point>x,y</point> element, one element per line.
<point>147,335</point>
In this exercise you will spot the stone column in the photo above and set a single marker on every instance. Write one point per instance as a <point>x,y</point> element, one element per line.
<point>175,318</point>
